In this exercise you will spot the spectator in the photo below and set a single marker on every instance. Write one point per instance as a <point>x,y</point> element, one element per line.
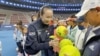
<point>18,34</point>
<point>33,18</point>
<point>56,22</point>
<point>62,23</point>
<point>71,21</point>
<point>80,34</point>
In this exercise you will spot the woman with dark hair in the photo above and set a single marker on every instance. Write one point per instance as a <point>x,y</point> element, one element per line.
<point>38,37</point>
<point>19,36</point>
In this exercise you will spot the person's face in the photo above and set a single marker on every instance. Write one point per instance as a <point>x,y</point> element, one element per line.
<point>25,30</point>
<point>70,22</point>
<point>93,17</point>
<point>47,16</point>
<point>63,23</point>
<point>18,26</point>
<point>34,18</point>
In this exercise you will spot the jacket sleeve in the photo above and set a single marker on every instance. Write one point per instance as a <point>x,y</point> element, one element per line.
<point>31,40</point>
<point>71,37</point>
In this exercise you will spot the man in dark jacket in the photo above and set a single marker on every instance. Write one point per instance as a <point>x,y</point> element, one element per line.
<point>91,10</point>
<point>38,36</point>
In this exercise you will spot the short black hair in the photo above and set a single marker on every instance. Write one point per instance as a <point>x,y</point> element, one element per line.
<point>73,16</point>
<point>42,9</point>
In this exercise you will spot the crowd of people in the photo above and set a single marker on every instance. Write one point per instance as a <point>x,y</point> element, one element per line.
<point>45,36</point>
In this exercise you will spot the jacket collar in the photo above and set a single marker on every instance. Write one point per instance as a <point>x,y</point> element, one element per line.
<point>40,24</point>
<point>96,30</point>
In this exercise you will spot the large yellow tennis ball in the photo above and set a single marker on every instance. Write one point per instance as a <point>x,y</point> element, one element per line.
<point>61,31</point>
<point>65,42</point>
<point>69,50</point>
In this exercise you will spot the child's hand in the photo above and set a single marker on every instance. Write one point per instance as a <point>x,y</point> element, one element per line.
<point>56,49</point>
<point>56,46</point>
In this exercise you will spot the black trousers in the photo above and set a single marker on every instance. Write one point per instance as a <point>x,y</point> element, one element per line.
<point>20,47</point>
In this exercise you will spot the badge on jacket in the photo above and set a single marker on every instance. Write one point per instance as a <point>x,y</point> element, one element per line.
<point>92,47</point>
<point>32,33</point>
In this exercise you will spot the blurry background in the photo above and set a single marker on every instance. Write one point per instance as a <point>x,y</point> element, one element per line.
<point>13,10</point>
